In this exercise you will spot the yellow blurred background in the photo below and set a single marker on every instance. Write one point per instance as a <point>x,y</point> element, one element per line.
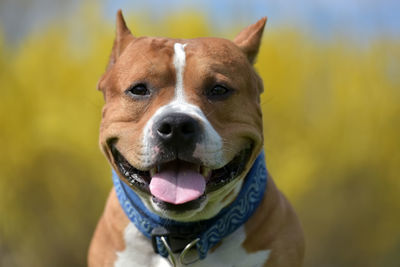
<point>332,135</point>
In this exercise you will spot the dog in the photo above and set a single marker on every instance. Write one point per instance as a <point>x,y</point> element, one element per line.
<point>182,130</point>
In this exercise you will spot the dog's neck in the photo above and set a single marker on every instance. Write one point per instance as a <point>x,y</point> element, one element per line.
<point>206,233</point>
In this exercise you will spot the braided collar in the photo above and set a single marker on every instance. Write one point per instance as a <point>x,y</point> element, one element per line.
<point>208,232</point>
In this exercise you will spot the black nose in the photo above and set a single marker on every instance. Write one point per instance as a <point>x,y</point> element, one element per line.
<point>177,129</point>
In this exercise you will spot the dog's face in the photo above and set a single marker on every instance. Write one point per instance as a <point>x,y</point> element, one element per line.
<point>182,120</point>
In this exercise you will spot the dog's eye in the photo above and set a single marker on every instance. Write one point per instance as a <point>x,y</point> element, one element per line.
<point>138,90</point>
<point>218,92</point>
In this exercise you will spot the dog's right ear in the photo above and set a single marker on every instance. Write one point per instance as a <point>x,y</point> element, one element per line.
<point>122,39</point>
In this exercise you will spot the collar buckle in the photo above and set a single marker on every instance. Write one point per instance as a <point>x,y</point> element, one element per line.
<point>189,253</point>
<point>158,232</point>
<point>177,241</point>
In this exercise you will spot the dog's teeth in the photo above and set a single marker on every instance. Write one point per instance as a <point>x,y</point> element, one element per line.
<point>205,171</point>
<point>153,171</point>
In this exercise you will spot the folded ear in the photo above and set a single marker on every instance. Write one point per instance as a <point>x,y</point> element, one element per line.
<point>122,39</point>
<point>249,39</point>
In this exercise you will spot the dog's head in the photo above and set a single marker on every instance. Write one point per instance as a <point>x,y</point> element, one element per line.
<point>182,119</point>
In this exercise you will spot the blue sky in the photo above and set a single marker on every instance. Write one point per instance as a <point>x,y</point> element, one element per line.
<point>359,19</point>
<point>364,18</point>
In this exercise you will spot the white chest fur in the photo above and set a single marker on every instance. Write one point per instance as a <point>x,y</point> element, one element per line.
<point>138,252</point>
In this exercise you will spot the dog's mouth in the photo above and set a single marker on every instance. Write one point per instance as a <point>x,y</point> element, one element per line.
<point>178,184</point>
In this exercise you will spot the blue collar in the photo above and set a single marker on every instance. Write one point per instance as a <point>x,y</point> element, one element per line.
<point>209,232</point>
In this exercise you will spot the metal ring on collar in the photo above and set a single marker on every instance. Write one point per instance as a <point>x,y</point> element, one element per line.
<point>171,257</point>
<point>186,250</point>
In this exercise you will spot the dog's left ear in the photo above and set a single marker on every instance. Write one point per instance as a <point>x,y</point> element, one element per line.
<point>122,39</point>
<point>249,39</point>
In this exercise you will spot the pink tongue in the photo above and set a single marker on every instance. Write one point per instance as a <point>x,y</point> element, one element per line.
<point>178,183</point>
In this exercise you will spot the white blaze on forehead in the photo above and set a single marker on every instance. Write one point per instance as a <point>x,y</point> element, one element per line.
<point>179,63</point>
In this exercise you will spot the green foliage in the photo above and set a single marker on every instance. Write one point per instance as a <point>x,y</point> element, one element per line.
<point>331,119</point>
<point>331,114</point>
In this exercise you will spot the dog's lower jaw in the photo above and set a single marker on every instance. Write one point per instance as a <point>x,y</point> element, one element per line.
<point>213,203</point>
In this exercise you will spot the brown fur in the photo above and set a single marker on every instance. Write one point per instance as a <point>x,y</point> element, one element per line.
<point>108,236</point>
<point>275,226</point>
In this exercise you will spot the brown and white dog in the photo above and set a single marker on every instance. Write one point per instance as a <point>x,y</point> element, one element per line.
<point>177,114</point>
